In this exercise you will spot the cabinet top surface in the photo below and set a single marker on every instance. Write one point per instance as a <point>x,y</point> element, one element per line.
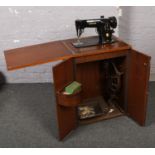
<point>53,51</point>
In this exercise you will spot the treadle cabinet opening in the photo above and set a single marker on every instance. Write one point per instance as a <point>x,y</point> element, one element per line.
<point>102,89</point>
<point>111,86</point>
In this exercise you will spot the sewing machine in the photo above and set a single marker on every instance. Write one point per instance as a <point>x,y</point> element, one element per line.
<point>104,28</point>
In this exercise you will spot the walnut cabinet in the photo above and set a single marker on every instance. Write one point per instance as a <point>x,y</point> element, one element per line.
<point>87,66</point>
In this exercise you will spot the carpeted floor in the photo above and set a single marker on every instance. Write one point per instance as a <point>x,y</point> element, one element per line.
<point>27,119</point>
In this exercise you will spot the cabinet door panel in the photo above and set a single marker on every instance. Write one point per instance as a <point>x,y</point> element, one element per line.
<point>63,74</point>
<point>137,90</point>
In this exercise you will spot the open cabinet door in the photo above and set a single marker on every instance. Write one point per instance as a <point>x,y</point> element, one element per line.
<point>63,74</point>
<point>137,86</point>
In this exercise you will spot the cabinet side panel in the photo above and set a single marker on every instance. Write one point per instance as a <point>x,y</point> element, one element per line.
<point>138,78</point>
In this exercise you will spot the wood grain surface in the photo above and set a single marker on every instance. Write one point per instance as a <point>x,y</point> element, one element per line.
<point>138,80</point>
<point>53,51</point>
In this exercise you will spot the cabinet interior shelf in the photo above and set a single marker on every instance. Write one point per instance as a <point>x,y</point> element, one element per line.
<point>106,112</point>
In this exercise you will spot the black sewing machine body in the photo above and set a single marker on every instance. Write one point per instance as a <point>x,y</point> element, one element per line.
<point>104,27</point>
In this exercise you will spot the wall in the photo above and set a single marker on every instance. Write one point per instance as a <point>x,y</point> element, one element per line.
<point>22,26</point>
<point>137,27</point>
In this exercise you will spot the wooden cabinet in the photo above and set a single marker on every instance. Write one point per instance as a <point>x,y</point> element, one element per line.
<point>89,67</point>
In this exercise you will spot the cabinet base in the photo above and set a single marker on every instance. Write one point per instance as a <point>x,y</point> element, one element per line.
<point>113,111</point>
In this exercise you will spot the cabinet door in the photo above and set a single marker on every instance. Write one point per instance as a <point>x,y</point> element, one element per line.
<point>63,74</point>
<point>137,86</point>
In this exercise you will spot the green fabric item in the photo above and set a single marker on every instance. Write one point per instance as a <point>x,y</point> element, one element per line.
<point>73,87</point>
